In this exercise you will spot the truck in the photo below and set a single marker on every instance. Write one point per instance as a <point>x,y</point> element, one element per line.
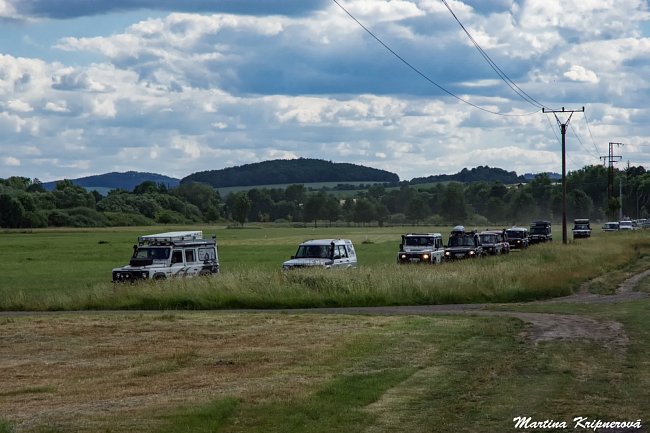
<point>171,254</point>
<point>540,231</point>
<point>581,228</point>
<point>421,248</point>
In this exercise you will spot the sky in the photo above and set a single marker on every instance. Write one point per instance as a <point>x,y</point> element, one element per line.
<point>176,87</point>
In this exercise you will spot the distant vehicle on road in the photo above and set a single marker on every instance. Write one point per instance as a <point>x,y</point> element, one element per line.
<point>421,248</point>
<point>581,228</point>
<point>517,237</point>
<point>611,226</point>
<point>626,225</point>
<point>494,242</point>
<point>540,231</point>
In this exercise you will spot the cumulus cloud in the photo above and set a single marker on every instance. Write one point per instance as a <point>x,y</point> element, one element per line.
<point>238,83</point>
<point>579,73</point>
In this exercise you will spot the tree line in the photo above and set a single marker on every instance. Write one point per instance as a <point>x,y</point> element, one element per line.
<point>24,203</point>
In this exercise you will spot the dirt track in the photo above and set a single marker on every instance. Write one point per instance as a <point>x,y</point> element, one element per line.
<point>542,326</point>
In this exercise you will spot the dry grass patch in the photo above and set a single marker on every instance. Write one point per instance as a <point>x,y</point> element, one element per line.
<point>121,368</point>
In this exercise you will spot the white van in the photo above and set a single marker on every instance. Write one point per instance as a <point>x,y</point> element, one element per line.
<point>327,253</point>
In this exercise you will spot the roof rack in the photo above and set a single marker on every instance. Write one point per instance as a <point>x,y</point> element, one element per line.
<point>170,238</point>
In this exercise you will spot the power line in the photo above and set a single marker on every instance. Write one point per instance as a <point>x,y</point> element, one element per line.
<point>590,134</point>
<point>580,141</point>
<point>515,88</point>
<point>422,74</point>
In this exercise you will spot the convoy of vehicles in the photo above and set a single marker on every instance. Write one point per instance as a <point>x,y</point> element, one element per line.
<point>421,248</point>
<point>171,254</point>
<point>188,254</point>
<point>581,228</point>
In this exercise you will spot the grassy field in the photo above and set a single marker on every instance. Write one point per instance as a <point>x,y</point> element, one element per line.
<point>70,270</point>
<point>236,371</point>
<point>264,372</point>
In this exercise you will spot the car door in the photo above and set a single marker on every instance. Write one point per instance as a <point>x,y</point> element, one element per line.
<point>192,265</point>
<point>341,258</point>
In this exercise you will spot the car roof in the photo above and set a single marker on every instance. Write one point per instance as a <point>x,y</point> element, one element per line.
<point>424,234</point>
<point>326,241</point>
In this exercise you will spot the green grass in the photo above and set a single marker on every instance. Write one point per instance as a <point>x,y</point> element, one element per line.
<point>53,270</point>
<point>455,374</point>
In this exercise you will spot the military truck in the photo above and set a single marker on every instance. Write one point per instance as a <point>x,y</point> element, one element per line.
<point>171,254</point>
<point>421,248</point>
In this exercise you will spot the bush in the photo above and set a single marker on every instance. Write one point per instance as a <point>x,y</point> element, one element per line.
<point>34,220</point>
<point>58,218</point>
<point>120,219</point>
<point>169,217</point>
<point>86,217</point>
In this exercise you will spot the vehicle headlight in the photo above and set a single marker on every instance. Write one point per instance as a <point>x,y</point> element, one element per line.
<point>425,256</point>
<point>471,253</point>
<point>447,253</point>
<point>403,256</point>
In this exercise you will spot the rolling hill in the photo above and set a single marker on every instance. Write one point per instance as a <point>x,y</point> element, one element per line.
<point>127,181</point>
<point>288,171</point>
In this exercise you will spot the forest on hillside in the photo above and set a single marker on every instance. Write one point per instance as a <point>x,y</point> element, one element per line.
<point>24,203</point>
<point>286,171</point>
<point>476,174</point>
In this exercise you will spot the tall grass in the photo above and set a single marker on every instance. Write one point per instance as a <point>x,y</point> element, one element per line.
<point>540,272</point>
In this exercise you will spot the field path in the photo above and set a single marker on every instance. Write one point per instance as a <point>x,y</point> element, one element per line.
<point>541,326</point>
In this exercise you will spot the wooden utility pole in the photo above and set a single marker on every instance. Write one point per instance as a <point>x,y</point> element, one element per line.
<point>563,127</point>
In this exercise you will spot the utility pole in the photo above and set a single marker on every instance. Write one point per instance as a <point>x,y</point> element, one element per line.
<point>563,127</point>
<point>611,159</point>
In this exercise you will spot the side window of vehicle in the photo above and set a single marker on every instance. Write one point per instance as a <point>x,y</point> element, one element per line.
<point>341,252</point>
<point>177,256</point>
<point>206,254</point>
<point>189,256</point>
<point>350,250</point>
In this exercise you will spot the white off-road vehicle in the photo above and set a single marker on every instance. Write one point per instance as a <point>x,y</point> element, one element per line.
<point>326,253</point>
<point>421,248</point>
<point>171,254</point>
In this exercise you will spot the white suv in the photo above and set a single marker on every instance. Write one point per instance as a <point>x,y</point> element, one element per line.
<point>171,254</point>
<point>327,253</point>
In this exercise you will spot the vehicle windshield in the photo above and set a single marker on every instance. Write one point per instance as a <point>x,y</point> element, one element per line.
<point>489,239</point>
<point>516,234</point>
<point>538,230</point>
<point>313,252</point>
<point>461,241</point>
<point>418,241</point>
<point>153,253</point>
<point>581,227</point>
<point>626,224</point>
